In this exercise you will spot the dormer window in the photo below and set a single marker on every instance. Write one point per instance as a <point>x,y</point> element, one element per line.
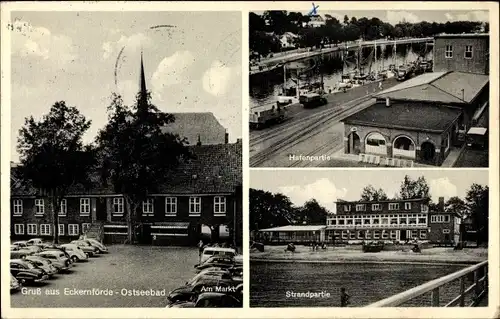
<point>347,208</point>
<point>360,207</point>
<point>407,206</point>
<point>393,206</point>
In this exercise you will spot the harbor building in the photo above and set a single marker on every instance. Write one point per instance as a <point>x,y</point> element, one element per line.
<point>298,234</point>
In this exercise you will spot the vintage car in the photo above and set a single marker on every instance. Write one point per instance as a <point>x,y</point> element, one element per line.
<point>26,272</point>
<point>209,300</point>
<point>217,251</point>
<point>20,244</point>
<point>58,248</point>
<point>34,248</point>
<point>266,115</point>
<point>86,247</point>
<point>216,261</point>
<point>477,137</point>
<point>42,263</point>
<point>100,246</point>
<point>75,252</point>
<point>14,284</point>
<point>58,259</point>
<point>20,253</point>
<point>34,242</point>
<point>311,100</point>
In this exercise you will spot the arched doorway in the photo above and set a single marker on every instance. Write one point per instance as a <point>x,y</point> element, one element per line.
<point>427,151</point>
<point>353,145</point>
<point>375,144</point>
<point>403,146</point>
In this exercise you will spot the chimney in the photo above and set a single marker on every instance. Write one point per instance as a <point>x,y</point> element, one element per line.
<point>199,140</point>
<point>387,102</point>
<point>226,137</point>
<point>441,204</point>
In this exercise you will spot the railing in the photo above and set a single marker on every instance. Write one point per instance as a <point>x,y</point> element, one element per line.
<point>404,153</point>
<point>479,288</point>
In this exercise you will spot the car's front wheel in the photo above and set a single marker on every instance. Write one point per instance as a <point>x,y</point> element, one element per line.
<point>75,259</point>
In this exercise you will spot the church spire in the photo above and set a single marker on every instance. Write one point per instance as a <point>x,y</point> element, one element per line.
<point>143,100</point>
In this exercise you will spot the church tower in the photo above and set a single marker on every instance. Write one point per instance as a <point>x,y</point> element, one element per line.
<point>142,103</point>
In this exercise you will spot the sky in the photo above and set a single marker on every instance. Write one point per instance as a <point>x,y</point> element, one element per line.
<point>412,16</point>
<point>192,63</point>
<point>328,186</point>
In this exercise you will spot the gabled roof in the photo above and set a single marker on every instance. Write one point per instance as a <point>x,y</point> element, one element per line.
<point>192,124</point>
<point>443,87</point>
<point>341,201</point>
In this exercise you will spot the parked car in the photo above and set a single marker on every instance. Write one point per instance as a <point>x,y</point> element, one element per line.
<point>35,249</point>
<point>75,252</point>
<point>216,261</point>
<point>86,247</point>
<point>58,259</point>
<point>59,249</point>
<point>26,272</point>
<point>210,300</point>
<point>100,246</point>
<point>217,251</point>
<point>311,100</point>
<point>20,254</point>
<point>34,241</point>
<point>42,263</point>
<point>14,284</point>
<point>20,244</point>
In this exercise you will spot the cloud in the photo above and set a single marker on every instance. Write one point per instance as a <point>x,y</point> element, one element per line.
<point>442,187</point>
<point>217,78</point>
<point>131,43</point>
<point>469,16</point>
<point>40,42</point>
<point>171,70</point>
<point>395,17</point>
<point>323,190</point>
<point>128,89</point>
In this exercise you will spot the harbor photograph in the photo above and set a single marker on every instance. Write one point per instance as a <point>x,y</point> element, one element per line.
<point>386,238</point>
<point>373,88</point>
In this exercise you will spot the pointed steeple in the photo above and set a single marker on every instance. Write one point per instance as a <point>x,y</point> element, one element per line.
<point>143,101</point>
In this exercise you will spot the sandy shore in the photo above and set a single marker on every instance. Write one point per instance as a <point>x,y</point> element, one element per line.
<point>354,254</point>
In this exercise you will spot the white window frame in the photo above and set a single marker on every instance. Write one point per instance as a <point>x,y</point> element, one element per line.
<point>448,51</point>
<point>407,206</point>
<point>446,218</point>
<point>32,229</point>
<point>170,202</point>
<point>17,206</point>
<point>72,228</point>
<point>360,207</point>
<point>446,231</point>
<point>61,230</point>
<point>376,207</point>
<point>45,229</point>
<point>84,206</point>
<point>393,206</point>
<point>19,229</point>
<point>85,227</point>
<point>347,208</point>
<point>424,208</point>
<point>148,207</point>
<point>471,51</point>
<point>219,206</point>
<point>423,234</point>
<point>39,207</point>
<point>63,208</point>
<point>195,206</point>
<point>120,203</point>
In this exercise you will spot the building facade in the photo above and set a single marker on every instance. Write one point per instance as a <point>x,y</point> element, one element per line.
<point>461,52</point>
<point>445,227</point>
<point>193,197</point>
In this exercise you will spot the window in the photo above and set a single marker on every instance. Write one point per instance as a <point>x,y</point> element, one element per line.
<point>32,229</point>
<point>18,207</point>
<point>423,234</point>
<point>63,209</point>
<point>352,235</point>
<point>39,207</point>
<point>61,229</point>
<point>333,222</point>
<point>45,229</point>
<point>402,220</point>
<point>393,206</point>
<point>360,207</point>
<point>376,207</point>
<point>148,207</point>
<point>412,221</point>
<point>385,221</point>
<point>366,221</point>
<point>414,233</point>
<point>394,221</point>
<point>194,206</point>
<point>446,218</point>
<point>341,221</point>
<point>19,229</point>
<point>347,208</point>
<point>440,218</point>
<point>85,227</point>
<point>422,220</point>
<point>344,235</point>
<point>385,234</point>
<point>73,230</point>
<point>376,234</point>
<point>446,231</point>
<point>448,52</point>
<point>407,206</point>
<point>375,221</point>
<point>368,234</point>
<point>424,208</point>
<point>84,206</point>
<point>118,206</point>
<point>349,221</point>
<point>468,52</point>
<point>357,221</point>
<point>170,206</point>
<point>393,234</point>
<point>219,206</point>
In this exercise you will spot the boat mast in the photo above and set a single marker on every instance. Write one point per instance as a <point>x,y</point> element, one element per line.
<point>284,79</point>
<point>394,55</point>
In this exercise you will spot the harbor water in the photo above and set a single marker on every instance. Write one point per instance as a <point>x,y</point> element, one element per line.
<point>265,87</point>
<point>272,283</point>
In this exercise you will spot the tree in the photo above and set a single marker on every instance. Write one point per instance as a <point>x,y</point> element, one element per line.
<point>413,189</point>
<point>456,205</point>
<point>371,194</point>
<point>137,155</point>
<point>270,210</point>
<point>53,157</point>
<point>477,200</point>
<point>312,213</point>
<point>346,19</point>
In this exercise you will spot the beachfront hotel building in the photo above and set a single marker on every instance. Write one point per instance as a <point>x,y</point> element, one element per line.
<point>391,220</point>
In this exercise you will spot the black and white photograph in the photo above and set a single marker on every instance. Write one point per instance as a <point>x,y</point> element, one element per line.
<point>369,238</point>
<point>369,88</point>
<point>126,159</point>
